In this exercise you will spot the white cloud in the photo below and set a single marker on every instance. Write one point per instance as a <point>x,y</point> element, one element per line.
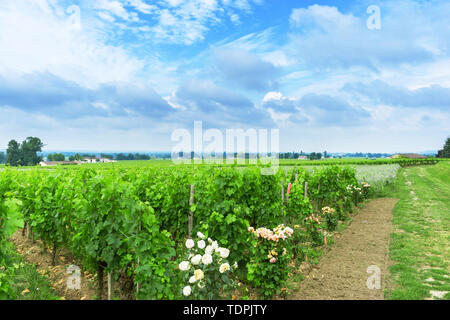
<point>187,22</point>
<point>323,37</point>
<point>44,41</point>
<point>142,6</point>
<point>116,8</point>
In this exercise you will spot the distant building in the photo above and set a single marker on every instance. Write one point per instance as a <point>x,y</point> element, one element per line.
<point>303,158</point>
<point>89,160</point>
<point>97,160</point>
<point>409,156</point>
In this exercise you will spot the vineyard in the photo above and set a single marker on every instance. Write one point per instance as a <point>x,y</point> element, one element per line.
<point>175,232</point>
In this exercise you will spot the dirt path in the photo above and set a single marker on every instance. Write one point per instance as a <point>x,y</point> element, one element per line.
<point>342,271</point>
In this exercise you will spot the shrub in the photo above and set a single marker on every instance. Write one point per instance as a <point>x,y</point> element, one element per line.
<point>268,266</point>
<point>207,270</point>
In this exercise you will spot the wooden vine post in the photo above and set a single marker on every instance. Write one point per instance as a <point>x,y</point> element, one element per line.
<point>138,287</point>
<point>318,202</point>
<point>29,231</point>
<point>191,214</point>
<point>287,200</point>
<point>306,189</point>
<point>110,286</point>
<point>55,248</point>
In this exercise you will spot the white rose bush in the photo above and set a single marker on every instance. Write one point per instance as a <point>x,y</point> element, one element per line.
<point>207,273</point>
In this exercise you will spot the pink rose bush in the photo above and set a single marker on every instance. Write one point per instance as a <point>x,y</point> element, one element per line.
<point>268,266</point>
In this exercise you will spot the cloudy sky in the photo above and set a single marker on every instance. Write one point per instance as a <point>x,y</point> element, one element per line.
<point>121,75</point>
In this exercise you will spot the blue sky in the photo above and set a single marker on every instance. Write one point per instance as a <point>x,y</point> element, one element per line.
<point>124,74</point>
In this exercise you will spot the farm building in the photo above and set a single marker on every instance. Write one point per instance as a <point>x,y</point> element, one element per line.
<point>96,160</point>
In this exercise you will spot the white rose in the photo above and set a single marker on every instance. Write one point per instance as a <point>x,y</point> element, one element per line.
<point>192,279</point>
<point>190,243</point>
<point>224,253</point>
<point>201,244</point>
<point>183,266</point>
<point>196,259</point>
<point>187,290</point>
<point>200,235</point>
<point>224,267</point>
<point>207,259</point>
<point>198,274</point>
<point>215,245</point>
<point>209,250</point>
<point>209,240</point>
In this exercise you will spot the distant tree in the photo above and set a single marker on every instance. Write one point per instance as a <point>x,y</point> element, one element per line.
<point>75,157</point>
<point>121,156</point>
<point>56,157</point>
<point>2,157</point>
<point>315,156</point>
<point>106,156</point>
<point>445,152</point>
<point>13,154</point>
<point>29,149</point>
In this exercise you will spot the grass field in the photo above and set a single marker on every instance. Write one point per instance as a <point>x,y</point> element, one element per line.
<point>419,246</point>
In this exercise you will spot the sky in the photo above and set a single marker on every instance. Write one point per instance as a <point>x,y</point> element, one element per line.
<point>123,75</point>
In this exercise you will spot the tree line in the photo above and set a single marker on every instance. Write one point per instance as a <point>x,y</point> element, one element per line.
<point>25,153</point>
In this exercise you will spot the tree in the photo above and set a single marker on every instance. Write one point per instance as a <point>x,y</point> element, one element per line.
<point>76,157</point>
<point>106,156</point>
<point>315,156</point>
<point>24,154</point>
<point>29,149</point>
<point>2,157</point>
<point>13,153</point>
<point>56,157</point>
<point>445,152</point>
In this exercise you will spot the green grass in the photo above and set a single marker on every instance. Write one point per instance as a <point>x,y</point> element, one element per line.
<point>419,246</point>
<point>27,283</point>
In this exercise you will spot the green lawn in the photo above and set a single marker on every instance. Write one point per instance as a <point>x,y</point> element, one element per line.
<point>419,246</point>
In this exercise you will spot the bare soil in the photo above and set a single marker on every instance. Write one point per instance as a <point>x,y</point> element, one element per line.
<point>342,273</point>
